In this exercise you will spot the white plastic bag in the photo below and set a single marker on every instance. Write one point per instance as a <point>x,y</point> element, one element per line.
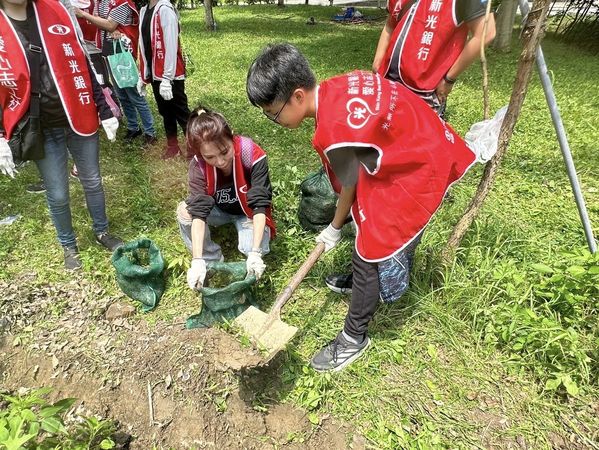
<point>483,136</point>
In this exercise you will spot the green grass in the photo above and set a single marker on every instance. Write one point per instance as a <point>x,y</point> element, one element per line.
<point>436,375</point>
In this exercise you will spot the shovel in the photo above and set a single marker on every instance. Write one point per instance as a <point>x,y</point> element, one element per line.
<point>268,331</point>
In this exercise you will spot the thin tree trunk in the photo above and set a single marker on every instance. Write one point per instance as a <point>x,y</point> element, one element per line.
<point>210,24</point>
<point>505,24</point>
<point>483,62</point>
<point>531,37</point>
<point>281,3</point>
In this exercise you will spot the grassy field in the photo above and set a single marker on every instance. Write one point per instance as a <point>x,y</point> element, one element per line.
<point>504,354</point>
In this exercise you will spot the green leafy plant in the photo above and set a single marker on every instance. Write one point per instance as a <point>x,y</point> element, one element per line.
<point>549,318</point>
<point>570,288</point>
<point>29,421</point>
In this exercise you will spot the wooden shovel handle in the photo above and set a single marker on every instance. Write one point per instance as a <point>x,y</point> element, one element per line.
<point>297,279</point>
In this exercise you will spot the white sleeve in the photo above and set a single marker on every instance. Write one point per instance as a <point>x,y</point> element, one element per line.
<point>71,10</point>
<point>170,35</point>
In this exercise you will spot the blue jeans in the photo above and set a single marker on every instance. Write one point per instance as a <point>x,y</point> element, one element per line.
<point>217,218</point>
<point>58,142</point>
<point>132,104</point>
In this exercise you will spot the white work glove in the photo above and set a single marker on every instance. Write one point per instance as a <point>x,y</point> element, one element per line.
<point>110,127</point>
<point>196,274</point>
<point>141,87</point>
<point>166,90</point>
<point>254,265</point>
<point>330,237</point>
<point>7,165</point>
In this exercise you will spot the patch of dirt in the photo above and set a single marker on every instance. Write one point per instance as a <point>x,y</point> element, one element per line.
<point>167,386</point>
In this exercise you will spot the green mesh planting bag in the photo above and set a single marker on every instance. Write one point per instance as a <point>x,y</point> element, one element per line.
<point>139,267</point>
<point>227,293</point>
<point>318,202</point>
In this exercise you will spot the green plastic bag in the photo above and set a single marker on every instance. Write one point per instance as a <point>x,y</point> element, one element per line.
<point>123,66</point>
<point>139,266</point>
<point>227,301</point>
<point>318,202</point>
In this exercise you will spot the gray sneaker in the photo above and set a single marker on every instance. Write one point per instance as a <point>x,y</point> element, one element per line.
<point>340,283</point>
<point>338,354</point>
<point>72,260</point>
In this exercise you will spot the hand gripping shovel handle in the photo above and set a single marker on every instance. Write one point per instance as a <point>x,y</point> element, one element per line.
<point>286,293</point>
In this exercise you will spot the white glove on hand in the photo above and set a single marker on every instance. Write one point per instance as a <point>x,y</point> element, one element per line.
<point>141,87</point>
<point>110,127</point>
<point>254,265</point>
<point>166,90</point>
<point>196,273</point>
<point>7,165</point>
<point>330,237</point>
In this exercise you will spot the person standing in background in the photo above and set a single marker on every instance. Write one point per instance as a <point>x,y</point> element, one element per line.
<point>424,45</point>
<point>118,20</point>
<point>70,103</point>
<point>162,65</point>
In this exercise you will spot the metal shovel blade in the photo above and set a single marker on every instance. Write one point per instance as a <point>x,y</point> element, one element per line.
<point>267,332</point>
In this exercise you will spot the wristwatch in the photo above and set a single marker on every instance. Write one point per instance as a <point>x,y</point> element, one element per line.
<point>449,80</point>
<point>257,250</point>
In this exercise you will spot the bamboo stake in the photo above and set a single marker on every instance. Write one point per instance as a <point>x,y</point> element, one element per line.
<point>483,62</point>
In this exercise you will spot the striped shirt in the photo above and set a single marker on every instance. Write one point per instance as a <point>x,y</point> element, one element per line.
<point>122,14</point>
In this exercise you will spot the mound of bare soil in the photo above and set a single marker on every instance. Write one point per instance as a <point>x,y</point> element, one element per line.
<point>167,386</point>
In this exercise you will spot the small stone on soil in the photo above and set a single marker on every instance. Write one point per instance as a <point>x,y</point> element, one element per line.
<point>119,310</point>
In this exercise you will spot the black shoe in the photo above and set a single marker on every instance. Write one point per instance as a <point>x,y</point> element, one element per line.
<point>340,283</point>
<point>36,188</point>
<point>132,134</point>
<point>338,354</point>
<point>72,260</point>
<point>149,139</point>
<point>109,241</point>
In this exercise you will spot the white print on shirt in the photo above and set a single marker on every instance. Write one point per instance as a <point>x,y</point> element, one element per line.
<point>362,215</point>
<point>226,196</point>
<point>431,25</point>
<point>359,113</point>
<point>8,79</point>
<point>68,50</point>
<point>59,30</point>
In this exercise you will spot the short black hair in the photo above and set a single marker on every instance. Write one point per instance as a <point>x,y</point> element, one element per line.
<point>279,70</point>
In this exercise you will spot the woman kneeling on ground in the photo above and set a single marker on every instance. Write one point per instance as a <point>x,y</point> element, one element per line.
<point>228,183</point>
<point>70,101</point>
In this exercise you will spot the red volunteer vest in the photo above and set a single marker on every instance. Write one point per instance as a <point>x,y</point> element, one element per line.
<point>67,63</point>
<point>432,43</point>
<point>88,29</point>
<point>419,157</point>
<point>247,153</point>
<point>158,49</point>
<point>131,31</point>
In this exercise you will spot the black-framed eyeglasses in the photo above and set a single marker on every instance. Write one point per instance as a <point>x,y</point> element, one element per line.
<point>275,118</point>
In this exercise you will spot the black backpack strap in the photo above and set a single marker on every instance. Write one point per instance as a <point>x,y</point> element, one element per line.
<point>34,54</point>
